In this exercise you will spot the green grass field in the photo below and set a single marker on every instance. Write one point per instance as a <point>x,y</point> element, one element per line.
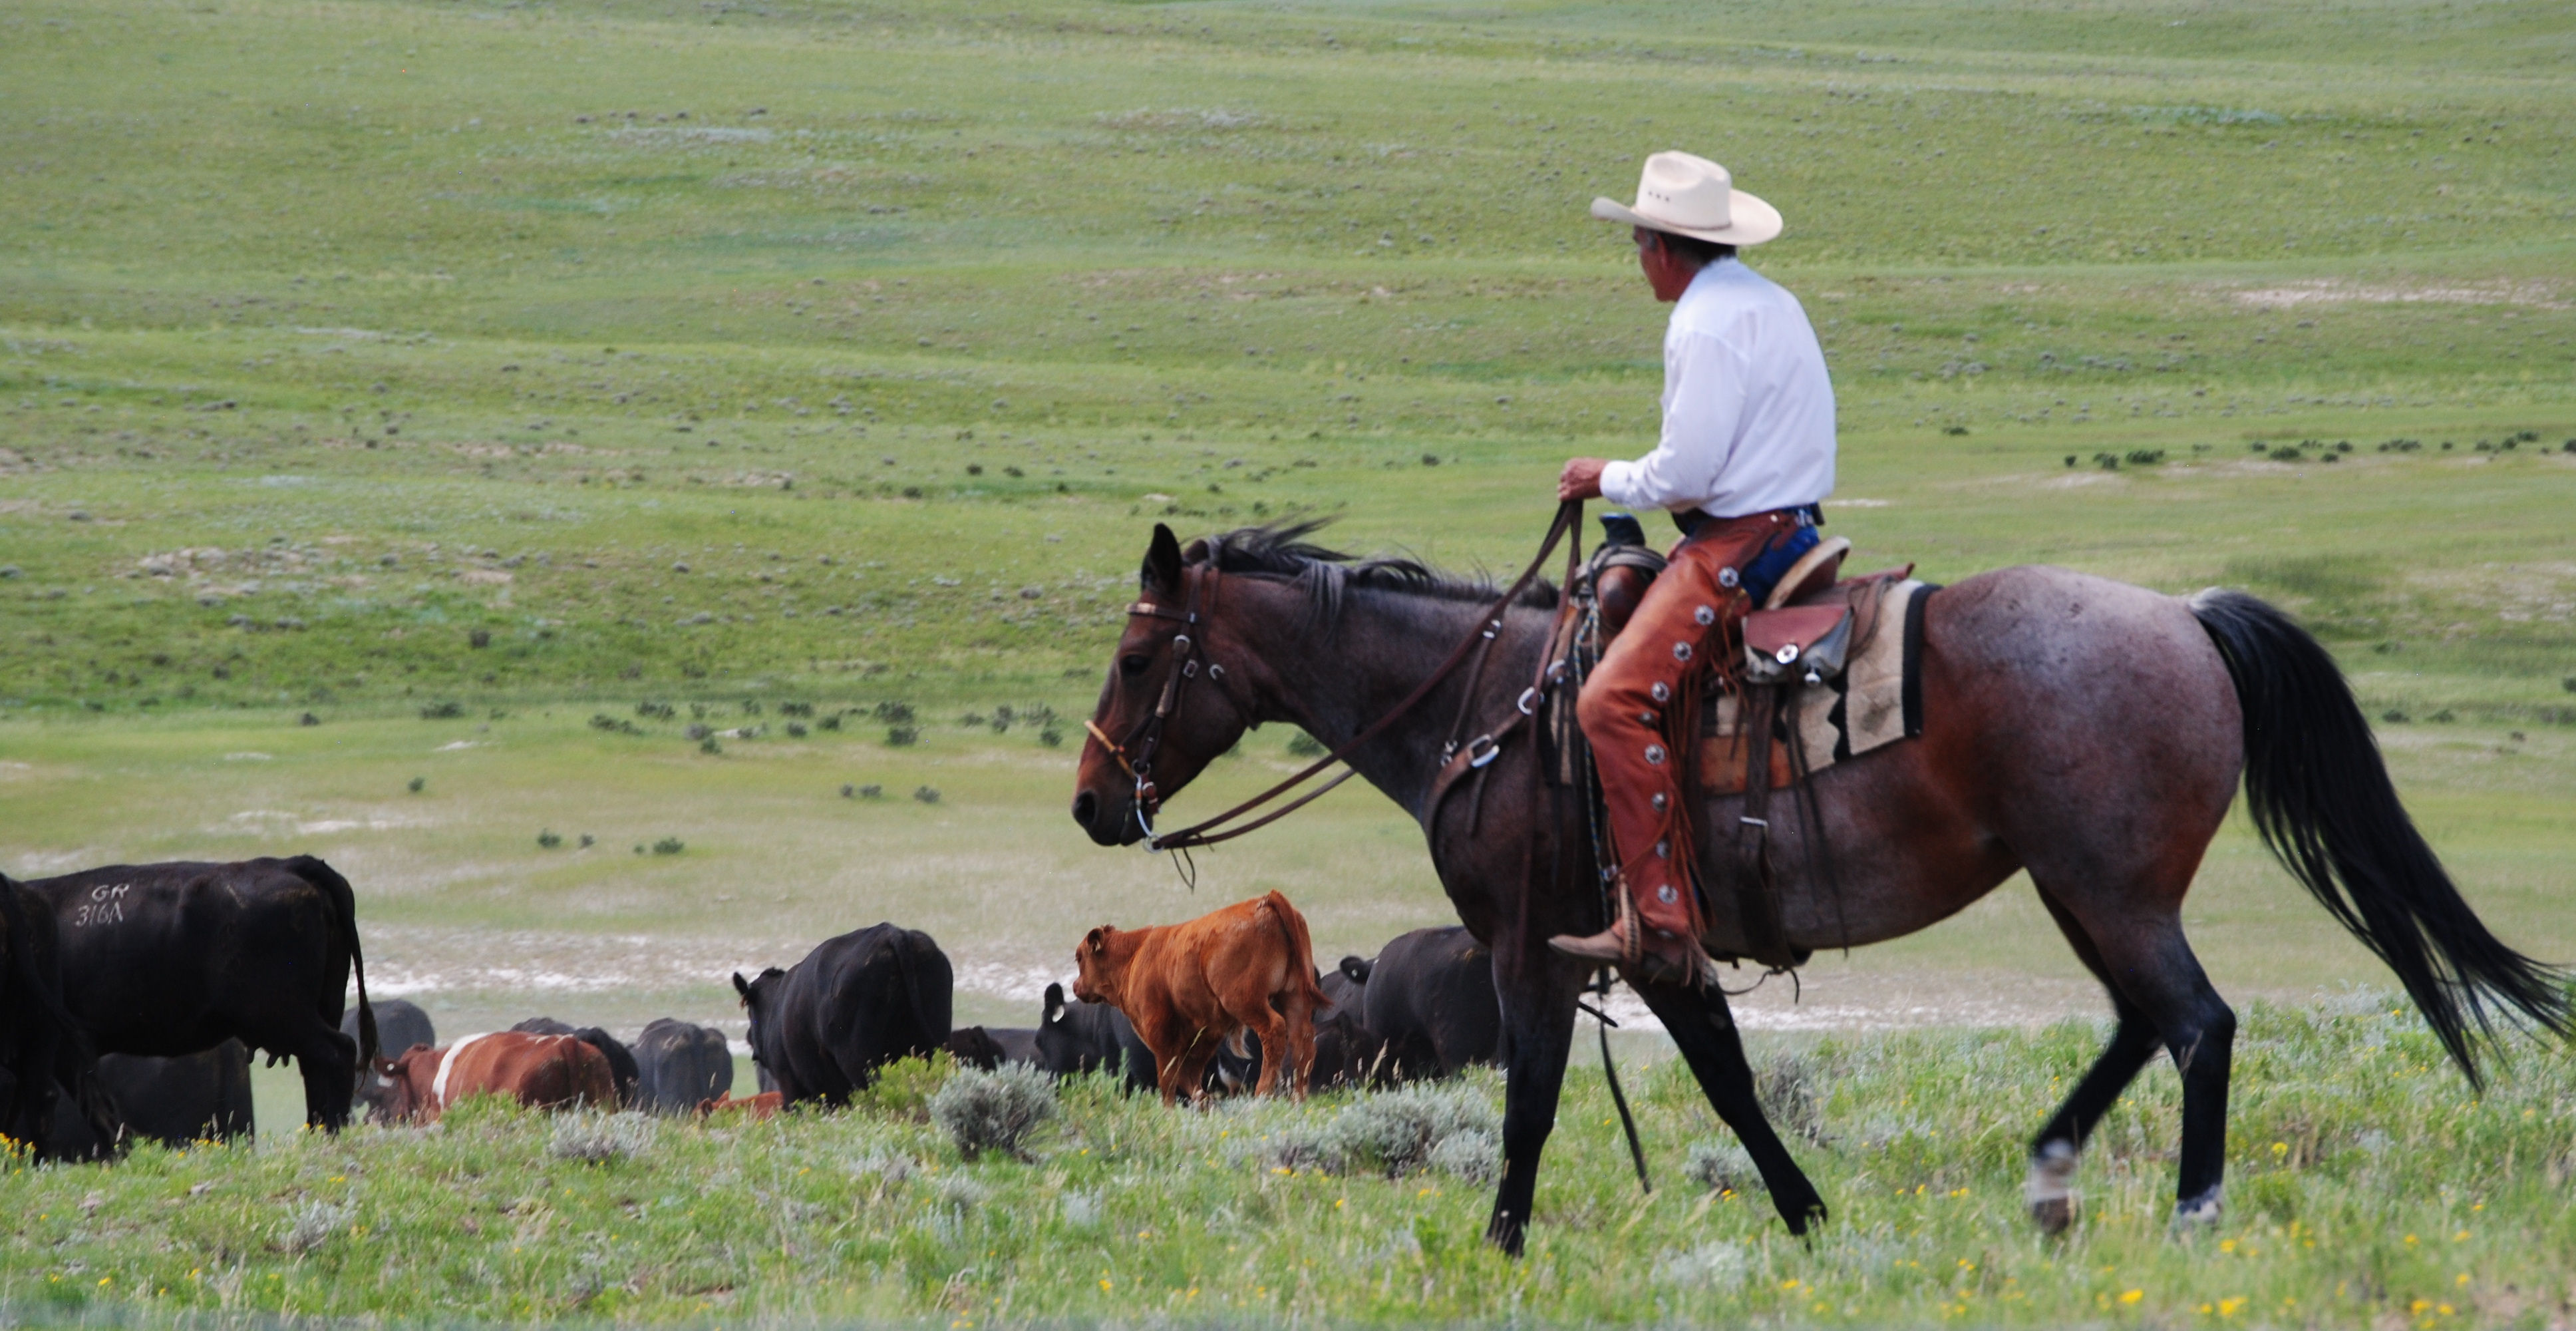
<point>511,388</point>
<point>2369,1188</point>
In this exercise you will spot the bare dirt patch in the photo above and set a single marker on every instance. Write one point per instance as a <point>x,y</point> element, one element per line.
<point>1838,996</point>
<point>2533,294</point>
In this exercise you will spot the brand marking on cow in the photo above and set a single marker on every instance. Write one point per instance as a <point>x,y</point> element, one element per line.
<point>106,905</point>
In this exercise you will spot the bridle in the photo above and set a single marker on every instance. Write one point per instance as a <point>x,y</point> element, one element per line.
<point>1135,755</point>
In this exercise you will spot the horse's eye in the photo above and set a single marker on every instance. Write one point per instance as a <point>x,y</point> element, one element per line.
<point>1133,665</point>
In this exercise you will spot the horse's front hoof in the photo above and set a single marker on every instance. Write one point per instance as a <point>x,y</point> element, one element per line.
<point>2050,1192</point>
<point>2199,1212</point>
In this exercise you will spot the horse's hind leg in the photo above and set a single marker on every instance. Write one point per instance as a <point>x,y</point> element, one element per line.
<point>2054,1151</point>
<point>2153,968</point>
<point>1703,1028</point>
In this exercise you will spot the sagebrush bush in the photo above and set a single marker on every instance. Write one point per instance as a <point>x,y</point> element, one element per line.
<point>1303,1148</point>
<point>311,1225</point>
<point>1708,1266</point>
<point>1786,1084</point>
<point>592,1137</point>
<point>1472,1154</point>
<point>993,1111</point>
<point>1398,1132</point>
<point>1722,1167</point>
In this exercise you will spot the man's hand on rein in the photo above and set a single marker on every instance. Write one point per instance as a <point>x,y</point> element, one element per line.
<point>1581,479</point>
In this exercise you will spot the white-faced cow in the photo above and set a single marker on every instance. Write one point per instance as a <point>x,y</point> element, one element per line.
<point>857,1002</point>
<point>680,1065</point>
<point>539,1071</point>
<point>400,1024</point>
<point>168,960</point>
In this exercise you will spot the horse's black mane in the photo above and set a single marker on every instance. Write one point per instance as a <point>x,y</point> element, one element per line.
<point>1281,549</point>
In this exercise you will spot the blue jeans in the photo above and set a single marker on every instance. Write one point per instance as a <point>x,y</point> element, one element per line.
<point>1765,571</point>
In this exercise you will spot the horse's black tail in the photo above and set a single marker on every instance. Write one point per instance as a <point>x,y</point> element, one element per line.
<point>344,902</point>
<point>2321,799</point>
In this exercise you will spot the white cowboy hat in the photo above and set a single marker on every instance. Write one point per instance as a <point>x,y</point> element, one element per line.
<point>1693,196</point>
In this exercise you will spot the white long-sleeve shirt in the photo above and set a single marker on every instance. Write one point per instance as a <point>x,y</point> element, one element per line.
<point>1748,407</point>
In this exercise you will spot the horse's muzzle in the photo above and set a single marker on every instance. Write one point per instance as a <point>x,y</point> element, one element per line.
<point>1105,820</point>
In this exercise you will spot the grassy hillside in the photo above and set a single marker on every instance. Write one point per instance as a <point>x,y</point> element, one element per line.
<point>339,333</point>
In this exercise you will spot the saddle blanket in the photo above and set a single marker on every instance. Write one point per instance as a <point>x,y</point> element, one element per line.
<point>1877,701</point>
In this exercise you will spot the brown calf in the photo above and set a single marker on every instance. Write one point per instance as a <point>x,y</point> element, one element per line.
<point>765,1105</point>
<point>1189,987</point>
<point>540,1071</point>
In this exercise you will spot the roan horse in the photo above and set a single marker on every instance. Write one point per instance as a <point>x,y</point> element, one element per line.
<point>2087,731</point>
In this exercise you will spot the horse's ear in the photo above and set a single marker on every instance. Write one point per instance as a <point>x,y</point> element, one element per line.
<point>1162,571</point>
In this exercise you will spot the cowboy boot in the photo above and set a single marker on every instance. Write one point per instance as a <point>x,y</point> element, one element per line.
<point>1656,945</point>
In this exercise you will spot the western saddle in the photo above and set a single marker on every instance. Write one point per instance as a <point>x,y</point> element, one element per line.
<point>1813,623</point>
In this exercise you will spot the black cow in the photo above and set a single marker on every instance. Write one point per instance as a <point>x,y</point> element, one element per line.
<point>1019,1044</point>
<point>989,1047</point>
<point>1430,997</point>
<point>1079,1037</point>
<point>43,1048</point>
<point>400,1024</point>
<point>173,959</point>
<point>679,1065</point>
<point>974,1047</point>
<point>822,1028</point>
<point>175,1101</point>
<point>621,1060</point>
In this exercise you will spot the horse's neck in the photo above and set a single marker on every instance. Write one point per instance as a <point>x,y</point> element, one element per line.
<point>1340,682</point>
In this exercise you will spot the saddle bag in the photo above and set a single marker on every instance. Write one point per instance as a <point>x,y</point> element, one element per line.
<point>1799,644</point>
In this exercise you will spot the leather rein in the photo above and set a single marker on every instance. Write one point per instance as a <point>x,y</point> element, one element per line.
<point>1190,661</point>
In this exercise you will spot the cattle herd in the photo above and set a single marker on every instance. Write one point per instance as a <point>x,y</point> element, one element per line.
<point>135,997</point>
